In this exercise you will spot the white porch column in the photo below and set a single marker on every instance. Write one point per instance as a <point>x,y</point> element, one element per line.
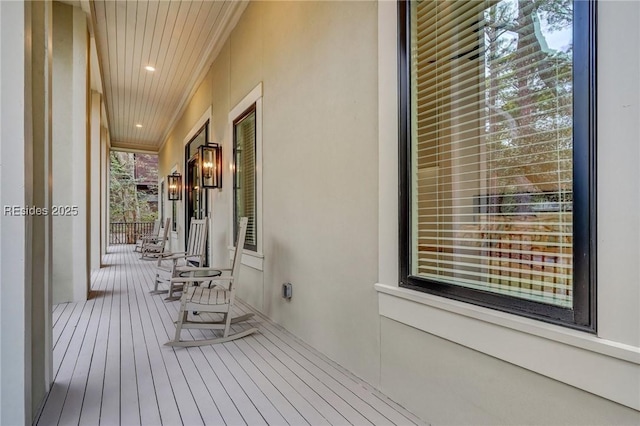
<point>95,193</point>
<point>104,185</point>
<point>14,346</point>
<point>25,146</point>
<point>71,173</point>
<point>41,225</point>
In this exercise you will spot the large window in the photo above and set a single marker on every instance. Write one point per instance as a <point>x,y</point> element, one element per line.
<point>497,150</point>
<point>244,175</point>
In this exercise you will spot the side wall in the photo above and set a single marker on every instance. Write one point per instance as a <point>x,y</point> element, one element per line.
<point>446,383</point>
<point>319,80</point>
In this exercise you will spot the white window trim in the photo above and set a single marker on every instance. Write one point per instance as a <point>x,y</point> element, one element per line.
<point>194,129</point>
<point>253,259</point>
<point>598,364</point>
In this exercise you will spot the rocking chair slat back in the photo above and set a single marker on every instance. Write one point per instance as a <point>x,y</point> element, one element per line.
<point>155,248</point>
<point>153,235</point>
<point>156,229</point>
<point>194,256</point>
<point>165,233</point>
<point>237,254</point>
<point>197,242</point>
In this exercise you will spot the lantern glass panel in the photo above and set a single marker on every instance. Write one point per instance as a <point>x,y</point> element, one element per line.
<point>210,166</point>
<point>175,187</point>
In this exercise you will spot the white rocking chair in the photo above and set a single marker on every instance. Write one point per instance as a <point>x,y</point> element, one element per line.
<point>194,256</point>
<point>153,247</point>
<point>151,236</point>
<point>209,293</point>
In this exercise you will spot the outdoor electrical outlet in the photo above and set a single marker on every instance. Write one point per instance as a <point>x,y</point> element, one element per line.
<point>287,290</point>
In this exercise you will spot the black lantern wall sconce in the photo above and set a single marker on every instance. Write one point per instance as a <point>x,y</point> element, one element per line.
<point>210,165</point>
<point>174,181</point>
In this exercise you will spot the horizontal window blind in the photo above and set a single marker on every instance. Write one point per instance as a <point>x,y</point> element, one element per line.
<point>491,158</point>
<point>245,175</point>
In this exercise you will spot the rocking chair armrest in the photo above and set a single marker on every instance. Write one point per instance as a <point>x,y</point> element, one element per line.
<point>185,255</point>
<point>199,279</point>
<point>158,244</point>
<point>182,256</point>
<point>174,255</point>
<point>196,268</point>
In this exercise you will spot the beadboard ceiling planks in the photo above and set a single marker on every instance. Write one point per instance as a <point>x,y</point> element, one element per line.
<point>178,38</point>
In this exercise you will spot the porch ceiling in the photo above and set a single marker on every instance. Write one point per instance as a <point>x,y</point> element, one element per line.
<point>178,38</point>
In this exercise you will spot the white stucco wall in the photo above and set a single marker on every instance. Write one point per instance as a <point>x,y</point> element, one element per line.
<point>318,73</point>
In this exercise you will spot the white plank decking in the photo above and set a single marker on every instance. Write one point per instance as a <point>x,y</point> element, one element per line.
<point>111,367</point>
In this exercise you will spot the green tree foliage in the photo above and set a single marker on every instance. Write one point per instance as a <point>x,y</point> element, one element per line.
<point>529,95</point>
<point>130,198</point>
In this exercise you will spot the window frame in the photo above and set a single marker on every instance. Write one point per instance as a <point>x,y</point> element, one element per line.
<point>582,315</point>
<point>252,259</point>
<point>251,109</point>
<point>161,200</point>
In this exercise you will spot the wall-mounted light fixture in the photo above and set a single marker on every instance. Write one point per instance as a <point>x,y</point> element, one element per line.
<point>210,165</point>
<point>174,181</point>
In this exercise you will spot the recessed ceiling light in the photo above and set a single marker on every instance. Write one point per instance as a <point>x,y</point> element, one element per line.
<point>149,68</point>
<point>138,125</point>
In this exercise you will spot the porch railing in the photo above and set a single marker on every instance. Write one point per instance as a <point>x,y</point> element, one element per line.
<point>128,232</point>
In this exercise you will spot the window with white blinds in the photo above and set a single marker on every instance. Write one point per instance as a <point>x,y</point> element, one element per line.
<point>244,178</point>
<point>491,125</point>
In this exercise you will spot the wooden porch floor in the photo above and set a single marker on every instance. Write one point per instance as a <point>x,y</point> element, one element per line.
<point>111,367</point>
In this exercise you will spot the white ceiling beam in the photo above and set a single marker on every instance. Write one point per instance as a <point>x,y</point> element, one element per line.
<point>132,147</point>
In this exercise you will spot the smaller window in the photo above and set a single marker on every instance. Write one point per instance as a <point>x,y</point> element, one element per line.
<point>174,217</point>
<point>244,175</point>
<point>161,197</point>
